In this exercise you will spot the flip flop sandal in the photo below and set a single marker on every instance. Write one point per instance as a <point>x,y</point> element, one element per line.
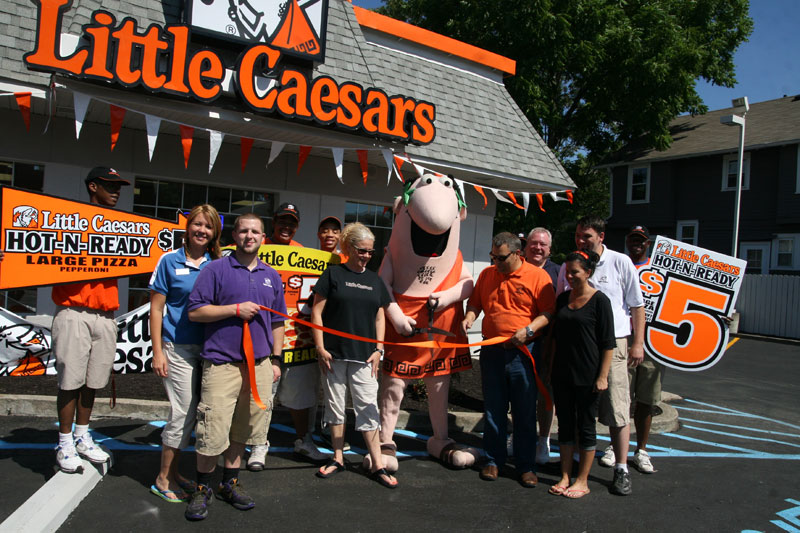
<point>339,468</point>
<point>164,495</point>
<point>555,490</point>
<point>574,494</point>
<point>378,476</point>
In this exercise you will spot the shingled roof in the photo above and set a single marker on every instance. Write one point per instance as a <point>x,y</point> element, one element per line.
<point>770,123</point>
<point>481,134</point>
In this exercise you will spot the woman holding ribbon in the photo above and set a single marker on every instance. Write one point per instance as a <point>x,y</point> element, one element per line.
<point>177,342</point>
<point>582,341</point>
<point>351,299</point>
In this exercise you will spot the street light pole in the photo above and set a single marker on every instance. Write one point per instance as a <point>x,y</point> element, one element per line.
<point>736,120</point>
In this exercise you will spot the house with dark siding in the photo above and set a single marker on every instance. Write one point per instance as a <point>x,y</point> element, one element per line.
<point>688,192</point>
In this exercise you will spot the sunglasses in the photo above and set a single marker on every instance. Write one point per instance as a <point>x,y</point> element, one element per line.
<point>501,258</point>
<point>365,251</point>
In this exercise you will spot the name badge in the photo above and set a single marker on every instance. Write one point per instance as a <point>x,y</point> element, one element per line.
<point>182,271</point>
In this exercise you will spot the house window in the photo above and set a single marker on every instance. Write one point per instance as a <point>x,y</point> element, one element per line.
<point>378,218</point>
<point>638,185</point>
<point>755,259</point>
<point>687,231</point>
<point>28,176</point>
<point>163,199</point>
<point>785,253</point>
<point>730,172</point>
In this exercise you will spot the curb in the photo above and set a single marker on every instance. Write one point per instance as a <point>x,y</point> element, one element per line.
<point>466,421</point>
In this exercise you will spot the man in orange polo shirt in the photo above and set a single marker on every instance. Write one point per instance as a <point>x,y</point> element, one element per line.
<point>517,300</point>
<point>84,338</point>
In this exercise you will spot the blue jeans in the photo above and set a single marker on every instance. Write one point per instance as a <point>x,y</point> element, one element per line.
<point>507,375</point>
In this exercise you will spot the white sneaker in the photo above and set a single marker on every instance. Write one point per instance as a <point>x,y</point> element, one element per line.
<point>89,450</point>
<point>258,457</point>
<point>307,448</point>
<point>641,461</point>
<point>608,458</point>
<point>68,459</point>
<point>542,452</point>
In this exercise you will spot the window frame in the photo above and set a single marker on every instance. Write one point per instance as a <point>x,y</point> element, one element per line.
<point>679,227</point>
<point>726,160</point>
<point>629,194</point>
<point>776,252</point>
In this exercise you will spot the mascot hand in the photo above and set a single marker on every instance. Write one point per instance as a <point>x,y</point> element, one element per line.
<point>404,325</point>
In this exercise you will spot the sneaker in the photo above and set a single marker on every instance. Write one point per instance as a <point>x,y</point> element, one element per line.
<point>641,461</point>
<point>258,457</point>
<point>233,493</point>
<point>68,459</point>
<point>622,482</point>
<point>307,448</point>
<point>608,459</point>
<point>542,452</point>
<point>199,501</point>
<point>89,450</point>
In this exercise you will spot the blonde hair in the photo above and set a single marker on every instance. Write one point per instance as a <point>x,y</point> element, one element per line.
<point>213,218</point>
<point>354,233</point>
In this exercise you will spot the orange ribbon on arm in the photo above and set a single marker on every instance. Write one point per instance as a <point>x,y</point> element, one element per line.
<point>249,356</point>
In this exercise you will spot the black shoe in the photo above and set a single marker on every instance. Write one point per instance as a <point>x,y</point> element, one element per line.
<point>622,482</point>
<point>199,502</point>
<point>234,494</point>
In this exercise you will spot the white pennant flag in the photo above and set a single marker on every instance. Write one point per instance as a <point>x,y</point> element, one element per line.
<point>387,156</point>
<point>153,123</point>
<point>81,105</point>
<point>557,198</point>
<point>274,150</point>
<point>214,144</point>
<point>501,197</point>
<point>338,155</point>
<point>419,169</point>
<point>526,198</point>
<point>460,185</point>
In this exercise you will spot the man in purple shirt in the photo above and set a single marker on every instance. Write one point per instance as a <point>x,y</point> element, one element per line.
<point>229,292</point>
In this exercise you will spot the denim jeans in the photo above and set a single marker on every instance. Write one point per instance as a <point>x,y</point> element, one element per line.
<point>507,375</point>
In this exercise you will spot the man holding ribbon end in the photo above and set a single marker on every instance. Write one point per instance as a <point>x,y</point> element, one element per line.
<point>241,340</point>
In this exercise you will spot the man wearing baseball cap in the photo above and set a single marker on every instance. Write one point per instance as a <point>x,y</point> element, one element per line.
<point>285,222</point>
<point>84,336</point>
<point>328,232</point>
<point>645,379</point>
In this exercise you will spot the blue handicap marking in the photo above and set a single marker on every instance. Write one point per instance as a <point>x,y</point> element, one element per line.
<point>792,515</point>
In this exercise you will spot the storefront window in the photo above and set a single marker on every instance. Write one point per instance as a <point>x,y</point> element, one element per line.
<point>29,177</point>
<point>378,218</point>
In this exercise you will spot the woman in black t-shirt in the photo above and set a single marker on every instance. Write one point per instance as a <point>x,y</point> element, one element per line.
<point>582,341</point>
<point>351,299</point>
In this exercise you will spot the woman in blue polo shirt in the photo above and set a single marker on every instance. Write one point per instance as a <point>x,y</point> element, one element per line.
<point>177,342</point>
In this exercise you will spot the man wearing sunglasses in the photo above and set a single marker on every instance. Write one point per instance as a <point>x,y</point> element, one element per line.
<point>517,300</point>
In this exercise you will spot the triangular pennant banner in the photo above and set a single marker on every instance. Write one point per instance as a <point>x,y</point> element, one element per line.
<point>387,156</point>
<point>540,201</point>
<point>81,105</point>
<point>274,151</point>
<point>480,191</point>
<point>153,123</point>
<point>338,155</point>
<point>24,104</point>
<point>460,185</point>
<point>246,146</point>
<point>117,114</point>
<point>214,144</point>
<point>362,160</point>
<point>398,162</point>
<point>500,196</point>
<point>187,132</point>
<point>556,197</point>
<point>569,196</point>
<point>301,159</point>
<point>514,200</point>
<point>419,169</point>
<point>526,201</point>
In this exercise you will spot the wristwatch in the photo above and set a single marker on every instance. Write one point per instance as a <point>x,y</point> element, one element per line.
<point>529,331</point>
<point>379,350</point>
<point>278,357</point>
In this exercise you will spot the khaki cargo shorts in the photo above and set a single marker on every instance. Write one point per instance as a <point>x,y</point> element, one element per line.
<point>615,403</point>
<point>85,346</point>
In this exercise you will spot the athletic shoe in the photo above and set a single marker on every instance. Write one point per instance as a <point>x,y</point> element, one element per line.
<point>641,460</point>
<point>68,459</point>
<point>608,459</point>
<point>307,448</point>
<point>89,450</point>
<point>622,482</point>
<point>258,457</point>
<point>542,452</point>
<point>199,502</point>
<point>234,494</point>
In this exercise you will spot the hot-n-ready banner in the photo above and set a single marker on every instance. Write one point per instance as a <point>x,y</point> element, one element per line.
<point>687,293</point>
<point>49,240</point>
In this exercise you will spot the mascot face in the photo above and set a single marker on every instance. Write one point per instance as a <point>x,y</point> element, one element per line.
<point>433,210</point>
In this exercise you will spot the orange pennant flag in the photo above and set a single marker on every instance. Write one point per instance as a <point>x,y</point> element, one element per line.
<point>247,145</point>
<point>398,161</point>
<point>540,201</point>
<point>186,140</point>
<point>362,160</point>
<point>117,114</point>
<point>514,200</point>
<point>24,104</point>
<point>569,196</point>
<point>480,191</point>
<point>301,159</point>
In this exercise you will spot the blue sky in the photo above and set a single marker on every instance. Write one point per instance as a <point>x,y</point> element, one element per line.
<point>767,66</point>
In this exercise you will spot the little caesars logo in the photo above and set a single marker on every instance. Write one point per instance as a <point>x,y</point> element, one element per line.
<point>357,286</point>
